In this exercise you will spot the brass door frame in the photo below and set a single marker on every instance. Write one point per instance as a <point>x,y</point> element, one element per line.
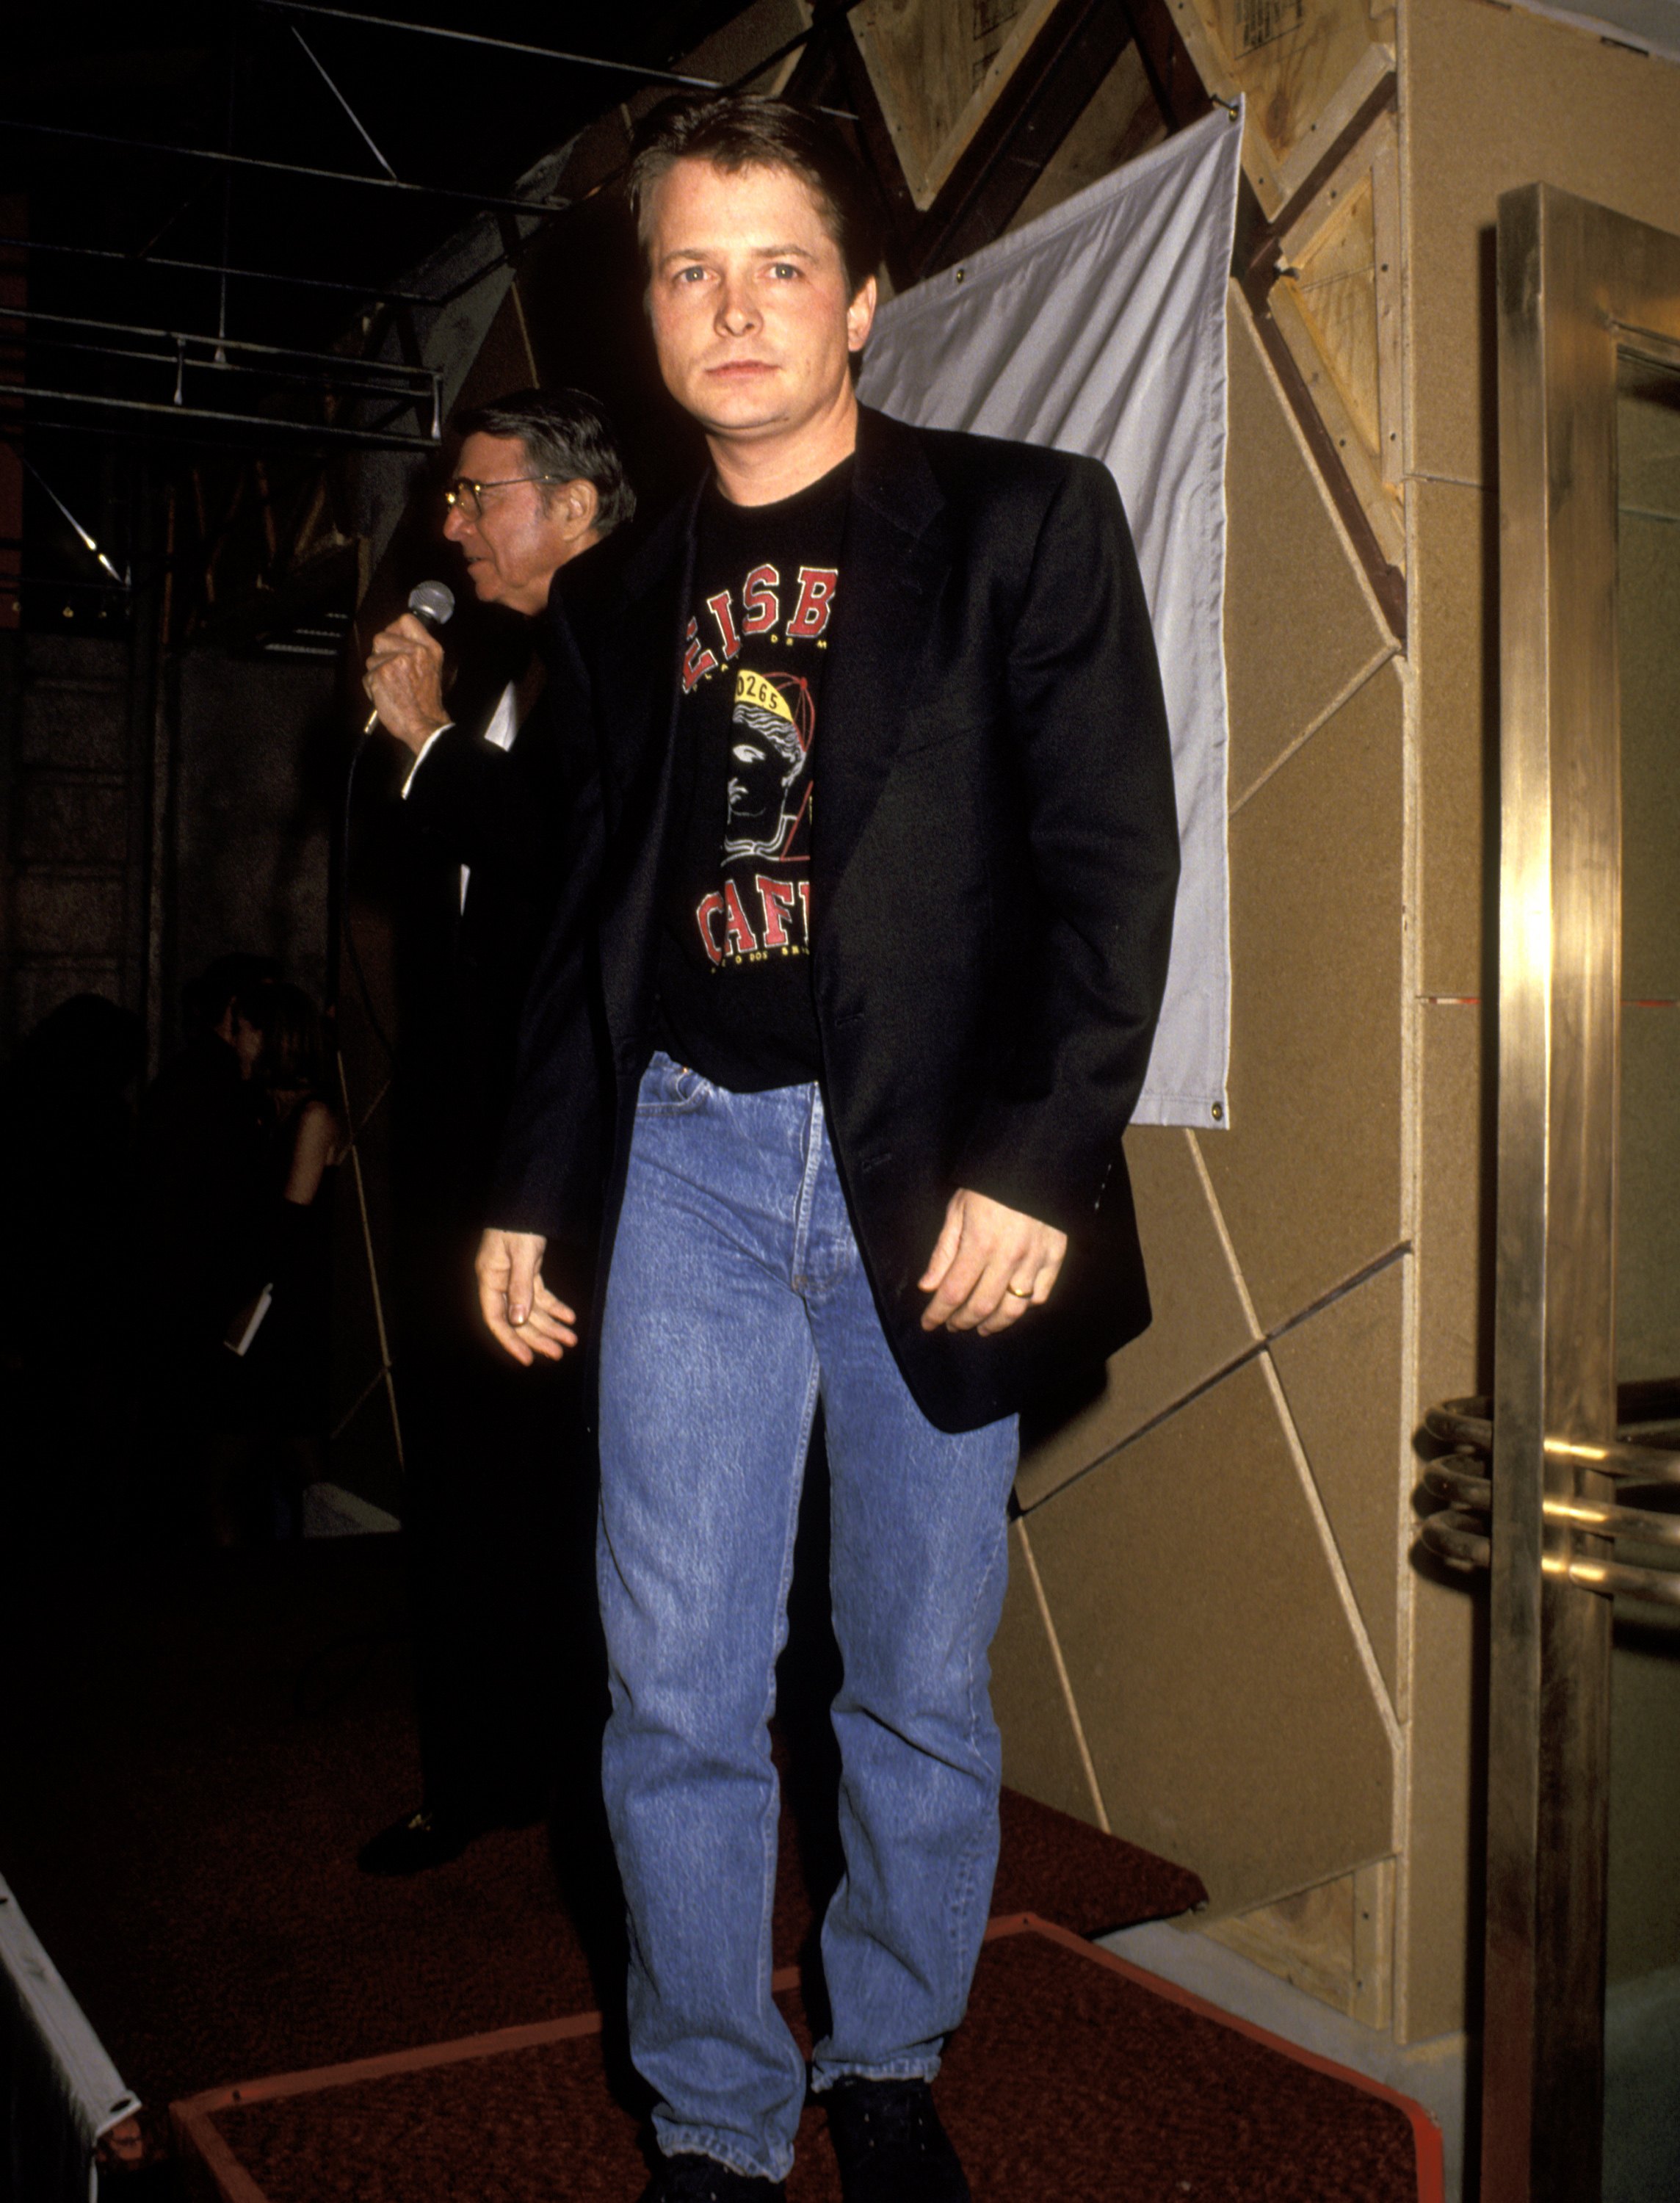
<point>1577,287</point>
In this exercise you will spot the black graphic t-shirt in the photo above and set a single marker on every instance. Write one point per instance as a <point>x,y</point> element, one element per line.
<point>735,961</point>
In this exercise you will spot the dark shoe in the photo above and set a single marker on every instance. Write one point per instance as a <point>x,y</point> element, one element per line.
<point>420,1841</point>
<point>890,2144</point>
<point>687,2178</point>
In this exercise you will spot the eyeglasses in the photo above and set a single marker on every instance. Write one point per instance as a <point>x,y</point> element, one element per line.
<point>468,496</point>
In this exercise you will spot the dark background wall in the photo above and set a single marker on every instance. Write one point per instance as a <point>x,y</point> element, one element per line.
<point>262,755</point>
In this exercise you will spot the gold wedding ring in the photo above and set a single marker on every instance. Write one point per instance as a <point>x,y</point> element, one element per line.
<point>1018,1292</point>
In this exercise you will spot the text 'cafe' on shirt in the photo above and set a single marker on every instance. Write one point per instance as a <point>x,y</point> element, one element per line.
<point>734,962</point>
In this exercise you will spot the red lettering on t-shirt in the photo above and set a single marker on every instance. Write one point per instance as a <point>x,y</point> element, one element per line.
<point>758,603</point>
<point>737,932</point>
<point>805,907</point>
<point>816,600</point>
<point>722,611</point>
<point>710,907</point>
<point>777,898</point>
<point>696,663</point>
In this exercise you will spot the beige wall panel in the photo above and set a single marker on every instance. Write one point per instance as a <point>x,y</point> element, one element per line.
<point>1201,1321</point>
<point>1644,1914</point>
<point>1229,1717</point>
<point>1341,1375</point>
<point>1492,98</point>
<point>1309,1176</point>
<point>1647,1200</point>
<point>1454,652</point>
<point>1041,1752</point>
<point>1455,1222</point>
<point>1438,1930</point>
<point>1299,625</point>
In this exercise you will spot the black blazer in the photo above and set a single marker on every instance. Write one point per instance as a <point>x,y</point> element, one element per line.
<point>994,857</point>
<point>523,819</point>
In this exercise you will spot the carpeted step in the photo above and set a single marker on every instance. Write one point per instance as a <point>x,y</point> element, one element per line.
<point>193,1765</point>
<point>1075,2079</point>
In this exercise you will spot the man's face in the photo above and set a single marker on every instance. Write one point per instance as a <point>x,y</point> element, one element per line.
<point>750,307</point>
<point>512,546</point>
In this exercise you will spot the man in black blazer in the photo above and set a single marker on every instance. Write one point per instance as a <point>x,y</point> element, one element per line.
<point>890,855</point>
<point>492,821</point>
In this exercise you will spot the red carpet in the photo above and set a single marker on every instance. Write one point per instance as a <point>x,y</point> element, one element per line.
<point>197,1744</point>
<point>195,1753</point>
<point>1075,2080</point>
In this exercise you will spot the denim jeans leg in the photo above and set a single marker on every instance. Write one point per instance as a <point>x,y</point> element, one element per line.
<point>919,1564</point>
<point>708,1388</point>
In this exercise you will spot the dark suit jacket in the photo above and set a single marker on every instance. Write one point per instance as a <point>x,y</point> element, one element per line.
<point>524,820</point>
<point>994,857</point>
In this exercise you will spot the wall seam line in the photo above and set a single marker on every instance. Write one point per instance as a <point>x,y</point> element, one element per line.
<point>1250,1315</point>
<point>1338,1576</point>
<point>1062,1676</point>
<point>1362,679</point>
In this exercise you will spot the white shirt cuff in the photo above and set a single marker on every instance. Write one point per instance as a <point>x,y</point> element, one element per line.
<point>421,754</point>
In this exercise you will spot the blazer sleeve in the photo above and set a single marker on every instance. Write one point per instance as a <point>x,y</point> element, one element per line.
<point>486,806</point>
<point>1092,759</point>
<point>550,1169</point>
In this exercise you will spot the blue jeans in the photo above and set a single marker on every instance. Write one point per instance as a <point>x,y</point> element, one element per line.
<point>736,1296</point>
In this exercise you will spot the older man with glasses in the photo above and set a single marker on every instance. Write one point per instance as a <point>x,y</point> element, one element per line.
<point>493,817</point>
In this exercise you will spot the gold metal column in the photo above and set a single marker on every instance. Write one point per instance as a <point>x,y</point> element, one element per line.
<point>1577,286</point>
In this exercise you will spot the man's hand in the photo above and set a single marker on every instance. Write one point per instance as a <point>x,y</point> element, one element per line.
<point>405,680</point>
<point>521,1314</point>
<point>989,1266</point>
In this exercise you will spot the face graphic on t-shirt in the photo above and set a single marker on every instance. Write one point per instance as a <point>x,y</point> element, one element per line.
<point>767,761</point>
<point>769,748</point>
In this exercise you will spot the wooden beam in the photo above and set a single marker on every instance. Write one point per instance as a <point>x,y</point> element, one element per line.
<point>1257,264</point>
<point>1045,96</point>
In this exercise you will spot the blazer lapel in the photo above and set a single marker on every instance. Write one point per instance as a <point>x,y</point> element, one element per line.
<point>645,658</point>
<point>893,562</point>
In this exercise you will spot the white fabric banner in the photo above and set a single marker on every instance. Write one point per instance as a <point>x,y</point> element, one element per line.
<point>1100,328</point>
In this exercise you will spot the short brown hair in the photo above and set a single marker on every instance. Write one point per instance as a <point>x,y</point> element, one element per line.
<point>742,130</point>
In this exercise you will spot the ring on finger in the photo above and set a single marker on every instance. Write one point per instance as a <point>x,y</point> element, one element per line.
<point>1017,1292</point>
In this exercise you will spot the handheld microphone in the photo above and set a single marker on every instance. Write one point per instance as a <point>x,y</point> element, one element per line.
<point>432,604</point>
